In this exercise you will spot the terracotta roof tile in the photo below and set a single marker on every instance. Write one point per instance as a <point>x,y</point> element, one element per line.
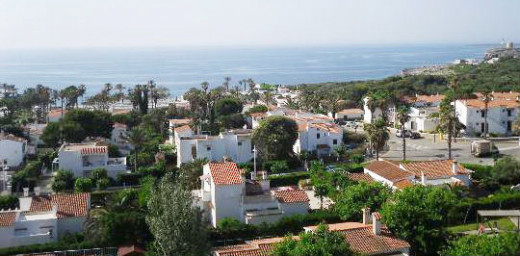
<point>434,169</point>
<point>183,121</point>
<point>182,128</point>
<point>425,98</point>
<point>72,205</point>
<point>402,184</point>
<point>478,103</point>
<point>350,111</point>
<point>94,150</point>
<point>363,240</point>
<point>7,219</point>
<point>225,173</point>
<point>291,196</point>
<point>329,127</point>
<point>56,113</point>
<point>40,204</point>
<point>120,126</point>
<point>501,95</point>
<point>8,136</point>
<point>360,177</point>
<point>388,170</point>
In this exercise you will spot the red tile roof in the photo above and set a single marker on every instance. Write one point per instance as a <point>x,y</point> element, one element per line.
<point>478,103</point>
<point>359,236</point>
<point>120,126</point>
<point>56,113</point>
<point>501,95</point>
<point>360,177</point>
<point>182,128</point>
<point>363,240</point>
<point>425,98</point>
<point>130,250</point>
<point>68,205</point>
<point>291,196</point>
<point>94,150</point>
<point>434,169</point>
<point>225,173</point>
<point>8,136</point>
<point>388,170</point>
<point>329,127</point>
<point>402,184</point>
<point>350,111</point>
<point>7,219</point>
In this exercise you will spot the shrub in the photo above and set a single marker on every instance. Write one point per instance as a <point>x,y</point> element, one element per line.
<point>8,202</point>
<point>279,167</point>
<point>83,185</point>
<point>129,179</point>
<point>467,208</point>
<point>290,179</point>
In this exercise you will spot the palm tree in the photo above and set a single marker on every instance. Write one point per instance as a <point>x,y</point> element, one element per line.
<point>486,98</point>
<point>378,134</point>
<point>339,151</point>
<point>137,137</point>
<point>120,95</point>
<point>82,89</point>
<point>226,83</point>
<point>448,122</point>
<point>403,117</point>
<point>268,98</point>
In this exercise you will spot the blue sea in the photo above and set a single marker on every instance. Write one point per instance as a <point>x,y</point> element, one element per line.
<point>181,68</point>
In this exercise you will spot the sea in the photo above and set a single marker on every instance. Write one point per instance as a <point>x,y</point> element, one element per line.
<point>179,69</point>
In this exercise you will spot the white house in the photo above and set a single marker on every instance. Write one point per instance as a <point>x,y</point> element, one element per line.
<point>12,150</point>
<point>400,175</point>
<point>235,145</point>
<point>34,132</point>
<point>370,237</point>
<point>174,123</point>
<point>119,138</point>
<point>421,119</point>
<point>422,100</point>
<point>43,219</point>
<point>320,138</point>
<point>501,116</point>
<point>82,158</point>
<point>349,114</point>
<point>316,132</point>
<point>225,193</point>
<point>370,116</point>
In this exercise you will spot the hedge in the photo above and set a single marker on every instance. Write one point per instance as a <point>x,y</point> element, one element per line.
<point>290,179</point>
<point>470,206</point>
<point>480,171</point>
<point>72,242</point>
<point>292,224</point>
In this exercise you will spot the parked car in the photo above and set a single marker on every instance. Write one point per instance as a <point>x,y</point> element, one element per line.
<point>415,135</point>
<point>400,135</point>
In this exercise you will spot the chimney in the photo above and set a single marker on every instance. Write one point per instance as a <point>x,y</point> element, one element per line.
<point>454,167</point>
<point>265,182</point>
<point>376,223</point>
<point>423,178</point>
<point>253,175</point>
<point>37,191</point>
<point>25,192</point>
<point>366,216</point>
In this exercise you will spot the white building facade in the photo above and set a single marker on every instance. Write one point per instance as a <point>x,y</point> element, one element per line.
<point>235,145</point>
<point>501,116</point>
<point>13,150</point>
<point>43,219</point>
<point>226,194</point>
<point>82,158</point>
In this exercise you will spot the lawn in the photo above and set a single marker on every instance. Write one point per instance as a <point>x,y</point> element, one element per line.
<point>503,224</point>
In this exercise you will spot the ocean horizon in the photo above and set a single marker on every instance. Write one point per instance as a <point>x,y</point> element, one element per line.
<point>179,69</point>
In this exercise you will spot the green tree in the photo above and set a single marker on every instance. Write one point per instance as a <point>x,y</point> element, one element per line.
<point>95,123</point>
<point>418,215</point>
<point>274,138</point>
<point>176,225</point>
<point>448,121</point>
<point>503,244</point>
<point>507,171</point>
<point>228,106</point>
<point>8,202</point>
<point>257,109</point>
<point>354,198</point>
<point>321,242</point>
<point>83,185</point>
<point>378,134</point>
<point>64,180</point>
<point>137,137</point>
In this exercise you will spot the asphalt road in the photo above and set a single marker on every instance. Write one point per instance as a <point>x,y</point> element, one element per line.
<point>426,149</point>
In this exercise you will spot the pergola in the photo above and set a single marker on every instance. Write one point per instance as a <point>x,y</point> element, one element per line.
<point>499,213</point>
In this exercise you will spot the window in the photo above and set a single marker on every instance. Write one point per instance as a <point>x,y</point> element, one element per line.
<point>483,113</point>
<point>318,135</point>
<point>335,141</point>
<point>509,112</point>
<point>482,129</point>
<point>194,151</point>
<point>240,143</point>
<point>509,126</point>
<point>208,148</point>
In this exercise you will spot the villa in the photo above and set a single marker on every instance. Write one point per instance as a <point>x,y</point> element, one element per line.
<point>43,219</point>
<point>349,114</point>
<point>82,158</point>
<point>225,193</point>
<point>235,145</point>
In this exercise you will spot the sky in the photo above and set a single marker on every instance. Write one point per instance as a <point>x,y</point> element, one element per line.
<point>179,23</point>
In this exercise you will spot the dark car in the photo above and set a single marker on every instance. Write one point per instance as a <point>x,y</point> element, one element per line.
<point>415,135</point>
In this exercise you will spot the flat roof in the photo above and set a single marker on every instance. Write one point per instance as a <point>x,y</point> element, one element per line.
<point>499,213</point>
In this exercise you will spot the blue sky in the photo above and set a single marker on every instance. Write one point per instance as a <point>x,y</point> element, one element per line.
<point>129,23</point>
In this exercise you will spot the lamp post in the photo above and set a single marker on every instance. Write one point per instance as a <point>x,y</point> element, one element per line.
<point>254,160</point>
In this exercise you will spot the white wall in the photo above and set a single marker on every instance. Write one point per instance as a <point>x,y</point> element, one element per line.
<point>294,208</point>
<point>70,225</point>
<point>13,151</point>
<point>497,118</point>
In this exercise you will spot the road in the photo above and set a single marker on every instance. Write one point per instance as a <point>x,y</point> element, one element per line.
<point>426,149</point>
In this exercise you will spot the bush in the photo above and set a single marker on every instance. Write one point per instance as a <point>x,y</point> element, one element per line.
<point>8,202</point>
<point>64,180</point>
<point>83,185</point>
<point>70,242</point>
<point>129,179</point>
<point>480,171</point>
<point>279,167</point>
<point>290,179</point>
<point>467,208</point>
<point>357,158</point>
